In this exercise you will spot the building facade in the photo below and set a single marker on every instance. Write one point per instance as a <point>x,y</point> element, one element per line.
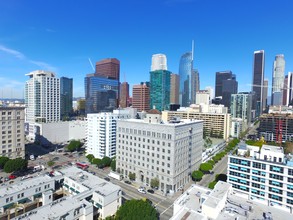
<point>168,152</point>
<point>264,174</point>
<point>278,80</point>
<point>220,77</point>
<point>159,62</point>
<point>174,90</point>
<point>124,95</point>
<point>203,97</point>
<point>287,91</point>
<point>108,68</point>
<point>42,99</point>
<point>141,97</point>
<point>230,86</point>
<point>12,132</point>
<point>241,107</point>
<point>66,96</point>
<point>265,94</point>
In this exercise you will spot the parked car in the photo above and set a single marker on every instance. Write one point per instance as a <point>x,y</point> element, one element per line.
<point>107,178</point>
<point>127,182</point>
<point>11,177</point>
<point>141,190</point>
<point>150,191</point>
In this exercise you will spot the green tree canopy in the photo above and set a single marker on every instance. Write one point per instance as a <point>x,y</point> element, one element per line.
<point>50,163</point>
<point>74,145</point>
<point>197,175</point>
<point>212,184</point>
<point>106,161</point>
<point>3,161</point>
<point>205,167</point>
<point>90,157</point>
<point>15,164</point>
<point>136,209</point>
<point>155,182</point>
<point>97,162</point>
<point>113,164</point>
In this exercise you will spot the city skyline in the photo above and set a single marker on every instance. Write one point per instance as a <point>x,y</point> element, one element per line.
<point>68,38</point>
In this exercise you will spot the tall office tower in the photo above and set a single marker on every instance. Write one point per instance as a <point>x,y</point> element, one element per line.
<point>265,94</point>
<point>42,99</point>
<point>124,95</point>
<point>66,96</point>
<point>220,77</point>
<point>278,80</point>
<point>101,94</point>
<point>287,90</point>
<point>241,107</point>
<point>12,131</point>
<point>230,86</point>
<point>109,68</point>
<point>101,133</point>
<point>141,97</point>
<point>174,93</point>
<point>195,85</point>
<point>258,80</point>
<point>159,62</point>
<point>159,84</point>
<point>158,152</point>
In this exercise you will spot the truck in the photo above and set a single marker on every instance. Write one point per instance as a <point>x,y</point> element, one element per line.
<point>114,175</point>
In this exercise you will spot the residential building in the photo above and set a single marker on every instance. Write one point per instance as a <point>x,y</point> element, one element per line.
<point>101,94</point>
<point>141,97</point>
<point>264,174</point>
<point>258,81</point>
<point>203,97</point>
<point>237,125</point>
<point>66,96</point>
<point>42,99</point>
<point>12,132</point>
<point>241,107</point>
<point>124,95</point>
<point>108,68</point>
<point>166,151</point>
<point>159,62</point>
<point>174,90</point>
<point>214,124</point>
<point>278,80</point>
<point>101,133</point>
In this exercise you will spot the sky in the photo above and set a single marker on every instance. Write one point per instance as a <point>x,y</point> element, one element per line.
<point>63,36</point>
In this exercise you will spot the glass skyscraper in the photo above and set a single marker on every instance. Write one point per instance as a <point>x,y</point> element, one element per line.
<point>66,95</point>
<point>278,80</point>
<point>185,72</point>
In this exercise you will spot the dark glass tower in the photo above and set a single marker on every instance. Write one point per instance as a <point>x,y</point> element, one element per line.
<point>220,77</point>
<point>257,81</point>
<point>66,95</point>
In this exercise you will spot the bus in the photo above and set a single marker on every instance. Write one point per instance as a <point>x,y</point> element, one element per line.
<point>82,165</point>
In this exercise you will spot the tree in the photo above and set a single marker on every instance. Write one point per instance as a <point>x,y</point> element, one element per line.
<point>3,161</point>
<point>205,167</point>
<point>106,161</point>
<point>288,147</point>
<point>98,162</point>
<point>50,163</point>
<point>136,209</point>
<point>212,184</point>
<point>90,157</point>
<point>155,183</point>
<point>211,162</point>
<point>15,164</point>
<point>197,175</point>
<point>113,164</point>
<point>74,145</point>
<point>131,176</point>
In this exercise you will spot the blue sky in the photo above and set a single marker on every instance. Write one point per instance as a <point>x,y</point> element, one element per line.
<point>61,36</point>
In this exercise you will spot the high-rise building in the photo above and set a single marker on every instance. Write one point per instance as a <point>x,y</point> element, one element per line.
<point>160,84</point>
<point>175,82</point>
<point>159,62</point>
<point>265,94</point>
<point>109,68</point>
<point>287,90</point>
<point>141,97</point>
<point>258,80</point>
<point>124,95</point>
<point>195,85</point>
<point>66,96</point>
<point>101,94</point>
<point>157,152</point>
<point>42,99</point>
<point>241,107</point>
<point>220,77</point>
<point>278,80</point>
<point>12,131</point>
<point>203,97</point>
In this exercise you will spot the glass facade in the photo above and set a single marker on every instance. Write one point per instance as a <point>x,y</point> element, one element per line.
<point>185,71</point>
<point>66,95</point>
<point>101,94</point>
<point>160,89</point>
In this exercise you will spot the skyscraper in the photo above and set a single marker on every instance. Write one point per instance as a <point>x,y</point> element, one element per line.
<point>241,107</point>
<point>265,94</point>
<point>174,93</point>
<point>159,83</point>
<point>195,85</point>
<point>220,77</point>
<point>287,92</point>
<point>124,95</point>
<point>42,99</point>
<point>66,96</point>
<point>141,97</point>
<point>109,68</point>
<point>278,80</point>
<point>101,94</point>
<point>257,82</point>
<point>230,86</point>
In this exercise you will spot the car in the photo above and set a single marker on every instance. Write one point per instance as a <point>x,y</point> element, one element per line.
<point>11,177</point>
<point>141,190</point>
<point>127,182</point>
<point>6,179</point>
<point>107,178</point>
<point>151,191</point>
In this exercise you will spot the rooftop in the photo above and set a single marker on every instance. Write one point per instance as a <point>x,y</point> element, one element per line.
<point>275,149</point>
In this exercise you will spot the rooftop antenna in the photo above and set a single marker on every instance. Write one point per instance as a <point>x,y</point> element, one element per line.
<point>92,64</point>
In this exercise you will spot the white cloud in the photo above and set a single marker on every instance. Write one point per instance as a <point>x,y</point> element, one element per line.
<point>12,52</point>
<point>43,65</point>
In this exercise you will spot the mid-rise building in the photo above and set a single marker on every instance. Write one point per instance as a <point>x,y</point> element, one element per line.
<point>152,149</point>
<point>241,107</point>
<point>12,132</point>
<point>66,96</point>
<point>175,82</point>
<point>141,97</point>
<point>203,97</point>
<point>264,175</point>
<point>278,80</point>
<point>124,95</point>
<point>236,127</point>
<point>42,99</point>
<point>101,133</point>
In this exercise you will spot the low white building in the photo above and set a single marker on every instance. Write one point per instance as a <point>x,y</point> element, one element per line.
<point>236,127</point>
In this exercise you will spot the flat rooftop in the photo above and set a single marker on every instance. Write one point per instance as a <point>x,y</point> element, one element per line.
<point>179,122</point>
<point>275,149</point>
<point>89,180</point>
